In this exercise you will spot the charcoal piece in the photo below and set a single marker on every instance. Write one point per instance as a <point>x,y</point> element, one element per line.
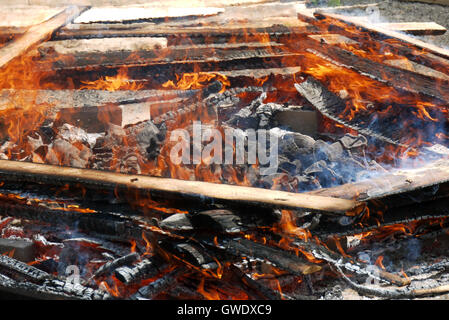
<point>211,220</point>
<point>191,253</point>
<point>247,117</point>
<point>351,142</point>
<point>287,166</point>
<point>147,138</point>
<point>74,134</point>
<point>178,222</point>
<point>21,250</point>
<point>244,119</point>
<point>275,256</point>
<point>329,152</point>
<point>145,269</point>
<point>111,266</point>
<point>62,152</point>
<point>324,173</point>
<point>265,113</point>
<point>268,180</point>
<point>17,269</point>
<point>303,141</point>
<point>158,286</point>
<point>288,148</point>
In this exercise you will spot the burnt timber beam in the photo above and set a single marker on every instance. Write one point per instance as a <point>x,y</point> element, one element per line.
<point>382,33</point>
<point>399,78</point>
<point>365,34</point>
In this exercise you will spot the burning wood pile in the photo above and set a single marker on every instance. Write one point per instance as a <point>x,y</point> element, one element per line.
<point>263,151</point>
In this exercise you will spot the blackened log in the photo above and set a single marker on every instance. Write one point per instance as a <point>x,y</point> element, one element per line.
<point>52,289</point>
<point>147,268</point>
<point>218,220</point>
<point>15,268</point>
<point>189,252</point>
<point>158,286</point>
<point>111,266</point>
<point>277,257</point>
<point>331,106</point>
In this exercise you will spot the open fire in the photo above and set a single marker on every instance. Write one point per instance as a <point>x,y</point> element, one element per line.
<point>292,156</point>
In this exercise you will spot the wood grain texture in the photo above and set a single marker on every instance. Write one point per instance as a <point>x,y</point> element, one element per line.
<point>382,32</point>
<point>36,35</point>
<point>43,173</point>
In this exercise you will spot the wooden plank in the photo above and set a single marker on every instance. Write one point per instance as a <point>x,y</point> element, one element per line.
<point>26,171</point>
<point>415,28</point>
<point>398,181</point>
<point>266,26</point>
<point>166,3</point>
<point>135,13</point>
<point>381,32</point>
<point>398,78</point>
<point>103,45</point>
<point>441,2</point>
<point>26,16</point>
<point>36,35</point>
<point>206,54</point>
<point>418,68</point>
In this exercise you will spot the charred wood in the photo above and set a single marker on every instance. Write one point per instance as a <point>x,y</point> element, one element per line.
<point>15,268</point>
<point>147,268</point>
<point>111,266</point>
<point>277,257</point>
<point>331,106</point>
<point>158,286</point>
<point>398,78</point>
<point>188,55</point>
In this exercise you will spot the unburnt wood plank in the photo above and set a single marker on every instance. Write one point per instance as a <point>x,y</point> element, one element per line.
<point>37,34</point>
<point>111,180</point>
